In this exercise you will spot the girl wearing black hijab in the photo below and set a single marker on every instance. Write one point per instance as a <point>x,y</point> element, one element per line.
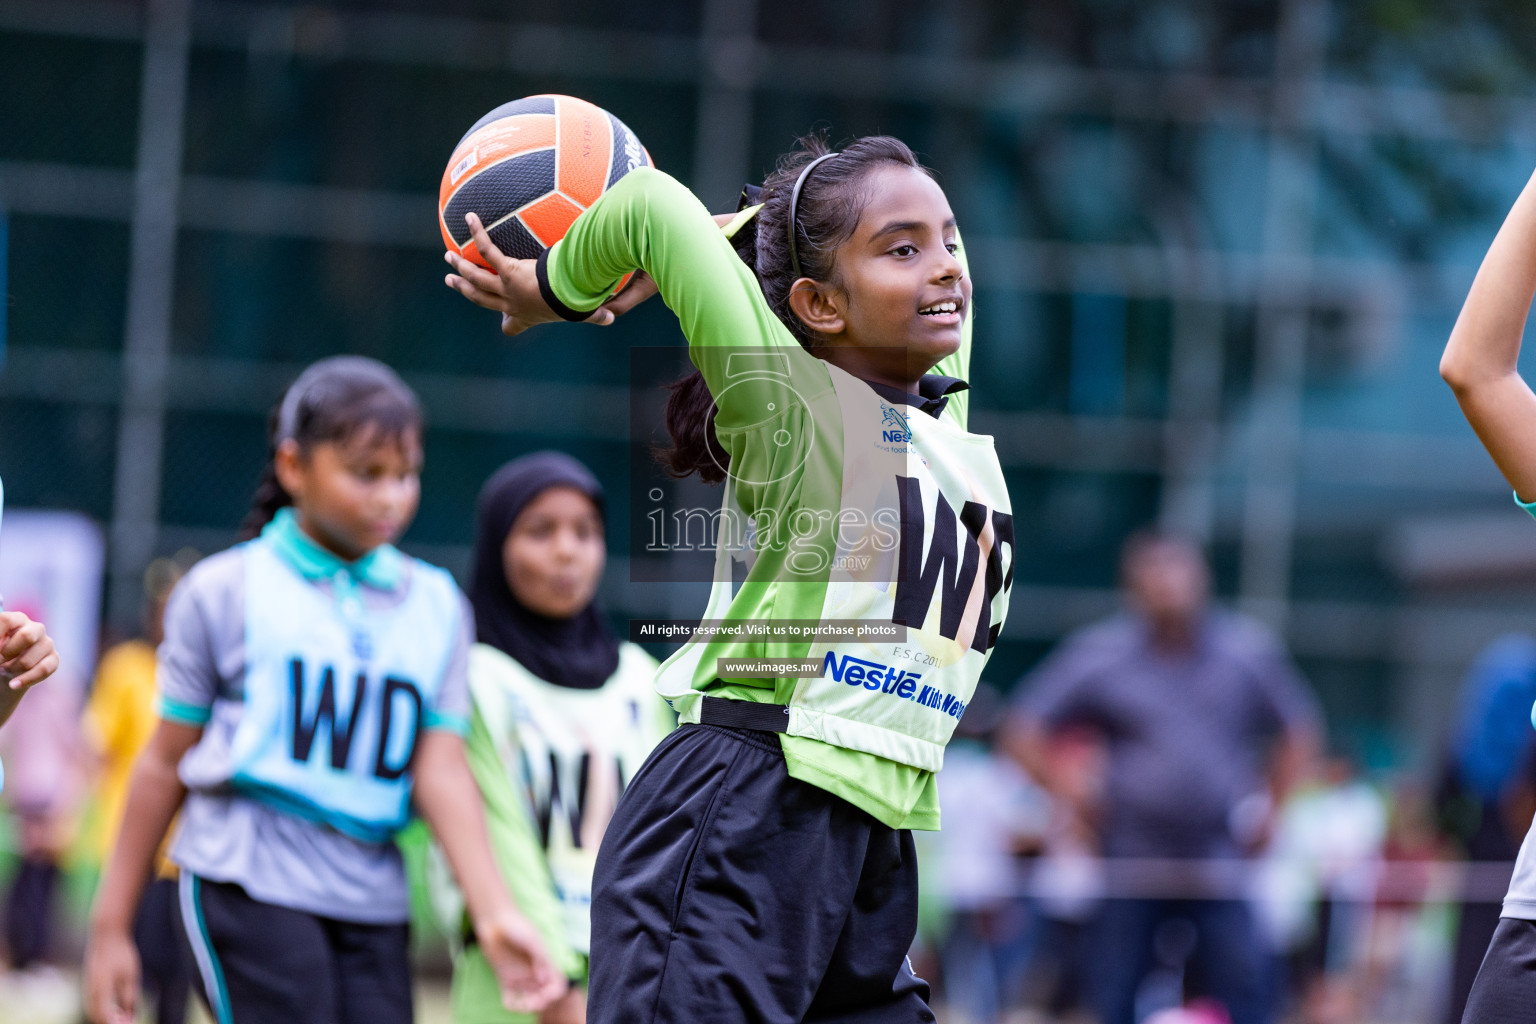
<point>563,712</point>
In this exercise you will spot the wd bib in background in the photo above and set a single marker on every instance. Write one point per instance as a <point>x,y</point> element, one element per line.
<point>334,705</point>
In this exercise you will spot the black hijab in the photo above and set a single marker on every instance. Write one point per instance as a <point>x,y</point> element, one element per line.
<point>580,651</point>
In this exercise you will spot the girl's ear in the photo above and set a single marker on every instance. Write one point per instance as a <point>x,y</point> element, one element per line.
<point>287,464</point>
<point>818,305</point>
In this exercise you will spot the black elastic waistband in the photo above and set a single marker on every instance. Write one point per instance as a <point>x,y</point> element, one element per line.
<point>743,714</point>
<point>767,742</point>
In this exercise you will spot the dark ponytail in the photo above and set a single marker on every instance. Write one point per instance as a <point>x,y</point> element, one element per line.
<point>691,422</point>
<point>334,400</point>
<point>826,215</point>
<point>270,495</point>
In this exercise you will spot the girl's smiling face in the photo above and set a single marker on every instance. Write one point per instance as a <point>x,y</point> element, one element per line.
<point>898,296</point>
<point>353,495</point>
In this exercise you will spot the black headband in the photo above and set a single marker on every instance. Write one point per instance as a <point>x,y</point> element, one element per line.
<point>794,202</point>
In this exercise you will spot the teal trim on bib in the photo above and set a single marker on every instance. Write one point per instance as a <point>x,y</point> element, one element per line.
<point>380,568</point>
<point>181,712</point>
<point>456,724</point>
<point>299,807</point>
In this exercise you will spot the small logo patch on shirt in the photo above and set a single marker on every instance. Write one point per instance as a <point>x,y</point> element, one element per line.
<point>895,432</point>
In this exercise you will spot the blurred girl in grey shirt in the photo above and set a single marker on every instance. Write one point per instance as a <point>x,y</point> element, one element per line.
<point>311,688</point>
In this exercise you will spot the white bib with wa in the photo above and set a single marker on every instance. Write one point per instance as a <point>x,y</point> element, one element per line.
<point>924,540</point>
<point>945,577</point>
<point>570,752</point>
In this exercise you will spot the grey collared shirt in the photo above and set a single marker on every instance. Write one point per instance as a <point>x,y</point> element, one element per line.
<point>1186,734</point>
<point>276,857</point>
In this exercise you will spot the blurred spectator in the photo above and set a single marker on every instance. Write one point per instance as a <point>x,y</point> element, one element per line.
<point>1400,974</point>
<point>1066,882</point>
<point>1317,888</point>
<point>993,814</point>
<point>119,720</point>
<point>1205,722</point>
<point>36,988</point>
<point>1201,1011</point>
<point>1488,788</point>
<point>44,775</point>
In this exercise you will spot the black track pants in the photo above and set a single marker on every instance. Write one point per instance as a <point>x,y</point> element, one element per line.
<point>726,892</point>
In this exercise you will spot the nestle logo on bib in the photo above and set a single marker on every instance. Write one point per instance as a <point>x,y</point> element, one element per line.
<point>894,428</point>
<point>891,681</point>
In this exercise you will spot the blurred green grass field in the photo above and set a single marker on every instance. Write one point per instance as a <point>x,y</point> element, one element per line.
<point>52,996</point>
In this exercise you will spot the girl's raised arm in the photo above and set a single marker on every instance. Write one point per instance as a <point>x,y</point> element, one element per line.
<point>1480,360</point>
<point>650,221</point>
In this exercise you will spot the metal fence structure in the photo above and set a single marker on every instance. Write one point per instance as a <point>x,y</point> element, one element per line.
<point>1217,249</point>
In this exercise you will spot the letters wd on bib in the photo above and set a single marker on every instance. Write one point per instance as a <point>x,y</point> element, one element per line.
<point>312,679</point>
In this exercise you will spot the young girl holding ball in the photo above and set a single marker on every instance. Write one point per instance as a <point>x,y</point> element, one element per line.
<point>760,865</point>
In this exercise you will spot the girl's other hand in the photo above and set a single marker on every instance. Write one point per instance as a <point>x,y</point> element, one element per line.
<point>111,978</point>
<point>528,981</point>
<point>512,290</point>
<point>27,656</point>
